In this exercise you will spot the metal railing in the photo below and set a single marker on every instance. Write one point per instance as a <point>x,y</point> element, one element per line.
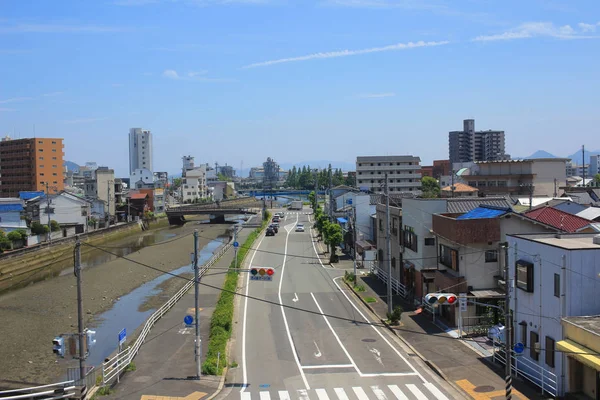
<point>115,365</point>
<point>530,370</point>
<point>397,287</point>
<point>61,390</point>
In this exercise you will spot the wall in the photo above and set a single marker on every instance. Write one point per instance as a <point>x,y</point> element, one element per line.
<point>104,182</point>
<point>50,168</point>
<point>546,172</point>
<point>382,255</point>
<point>67,210</point>
<point>11,221</point>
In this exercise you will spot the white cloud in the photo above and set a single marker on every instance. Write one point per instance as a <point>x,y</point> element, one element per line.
<point>587,27</point>
<point>346,53</point>
<point>83,120</point>
<point>171,74</point>
<point>375,95</point>
<point>15,100</point>
<point>57,28</point>
<point>197,73</point>
<point>192,76</point>
<point>537,29</point>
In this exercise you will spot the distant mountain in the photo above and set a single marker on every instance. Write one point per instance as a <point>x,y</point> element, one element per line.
<point>542,154</point>
<point>71,166</point>
<point>345,166</point>
<point>576,157</point>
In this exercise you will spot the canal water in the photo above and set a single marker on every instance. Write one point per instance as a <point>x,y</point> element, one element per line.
<point>125,313</point>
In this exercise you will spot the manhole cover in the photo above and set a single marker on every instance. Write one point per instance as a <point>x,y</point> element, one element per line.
<point>484,389</point>
<point>369,340</point>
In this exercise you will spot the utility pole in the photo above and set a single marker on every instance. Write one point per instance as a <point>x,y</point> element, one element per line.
<point>316,187</point>
<point>129,219</point>
<point>508,328</point>
<point>108,202</point>
<point>198,347</point>
<point>583,163</point>
<point>388,243</point>
<point>354,225</point>
<point>330,194</point>
<point>530,196</point>
<point>235,247</point>
<point>80,328</point>
<point>452,186</point>
<point>48,213</point>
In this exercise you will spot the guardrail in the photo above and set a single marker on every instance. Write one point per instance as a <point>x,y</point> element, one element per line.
<point>115,365</point>
<point>61,390</point>
<point>397,287</point>
<point>533,372</point>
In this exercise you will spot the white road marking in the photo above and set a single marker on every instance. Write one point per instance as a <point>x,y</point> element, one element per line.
<point>341,394</point>
<point>378,393</point>
<point>327,366</point>
<point>315,249</point>
<point>287,328</point>
<point>244,369</point>
<point>322,394</point>
<point>435,391</point>
<point>397,392</point>
<point>360,393</point>
<point>246,396</point>
<point>265,396</point>
<point>415,390</point>
<point>377,355</point>
<point>185,331</point>
<point>295,299</point>
<point>284,395</point>
<point>335,335</point>
<point>318,353</point>
<point>303,394</point>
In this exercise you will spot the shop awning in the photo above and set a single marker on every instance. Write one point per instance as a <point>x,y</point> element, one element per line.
<point>489,293</point>
<point>342,220</point>
<point>580,353</point>
<point>428,275</point>
<point>364,245</point>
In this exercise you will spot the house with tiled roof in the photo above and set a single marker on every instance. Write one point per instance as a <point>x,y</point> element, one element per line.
<point>459,190</point>
<point>561,220</point>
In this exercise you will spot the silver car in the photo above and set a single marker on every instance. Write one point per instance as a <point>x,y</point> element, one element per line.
<point>300,228</point>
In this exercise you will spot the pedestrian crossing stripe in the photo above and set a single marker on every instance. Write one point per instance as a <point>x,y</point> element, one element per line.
<point>375,392</point>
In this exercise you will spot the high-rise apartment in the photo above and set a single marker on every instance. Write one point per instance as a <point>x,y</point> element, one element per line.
<point>404,173</point>
<point>30,164</point>
<point>140,149</point>
<point>469,145</point>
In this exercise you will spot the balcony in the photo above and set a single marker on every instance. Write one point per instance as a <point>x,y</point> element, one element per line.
<point>388,168</point>
<point>468,231</point>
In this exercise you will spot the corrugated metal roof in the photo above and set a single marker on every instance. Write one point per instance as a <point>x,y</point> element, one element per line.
<point>484,212</point>
<point>464,205</point>
<point>558,219</point>
<point>10,207</point>
<point>584,198</point>
<point>30,195</point>
<point>342,220</point>
<point>590,213</point>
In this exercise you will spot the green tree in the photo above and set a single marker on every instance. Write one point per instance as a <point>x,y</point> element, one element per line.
<point>350,181</point>
<point>54,226</point>
<point>4,242</point>
<point>430,187</point>
<point>177,182</point>
<point>38,229</point>
<point>597,179</point>
<point>311,199</point>
<point>18,235</point>
<point>222,177</point>
<point>333,238</point>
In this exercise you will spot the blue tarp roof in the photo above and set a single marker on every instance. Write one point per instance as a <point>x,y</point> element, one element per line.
<point>484,212</point>
<point>342,220</point>
<point>30,195</point>
<point>10,207</point>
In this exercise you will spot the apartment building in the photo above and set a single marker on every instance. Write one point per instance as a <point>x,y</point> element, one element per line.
<point>594,165</point>
<point>470,145</point>
<point>30,165</point>
<point>194,185</point>
<point>140,149</point>
<point>102,187</point>
<point>404,173</point>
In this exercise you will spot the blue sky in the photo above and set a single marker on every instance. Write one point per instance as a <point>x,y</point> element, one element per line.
<point>233,80</point>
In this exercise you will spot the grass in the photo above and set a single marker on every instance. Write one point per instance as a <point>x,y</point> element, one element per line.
<point>104,391</point>
<point>359,288</point>
<point>370,299</point>
<point>221,322</point>
<point>234,365</point>
<point>131,367</point>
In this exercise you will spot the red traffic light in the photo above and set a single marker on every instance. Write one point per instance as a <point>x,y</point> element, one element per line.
<point>270,271</point>
<point>451,299</point>
<point>441,298</point>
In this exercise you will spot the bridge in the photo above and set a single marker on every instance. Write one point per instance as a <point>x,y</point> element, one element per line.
<point>276,192</point>
<point>216,210</point>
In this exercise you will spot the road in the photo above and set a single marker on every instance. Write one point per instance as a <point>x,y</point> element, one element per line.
<point>322,349</point>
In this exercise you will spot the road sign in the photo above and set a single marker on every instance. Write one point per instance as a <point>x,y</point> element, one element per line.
<point>122,336</point>
<point>349,201</point>
<point>462,302</point>
<point>519,348</point>
<point>188,319</point>
<point>236,244</point>
<point>261,274</point>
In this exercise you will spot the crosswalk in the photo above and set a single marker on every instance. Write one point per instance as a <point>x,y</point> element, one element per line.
<point>298,213</point>
<point>407,391</point>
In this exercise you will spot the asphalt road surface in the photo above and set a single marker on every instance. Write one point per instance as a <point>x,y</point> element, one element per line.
<point>309,338</point>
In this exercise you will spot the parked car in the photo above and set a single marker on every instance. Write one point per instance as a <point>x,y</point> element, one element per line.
<point>300,228</point>
<point>275,218</point>
<point>275,227</point>
<point>270,232</point>
<point>496,333</point>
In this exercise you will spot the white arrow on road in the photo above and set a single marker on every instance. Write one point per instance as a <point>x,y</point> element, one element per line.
<point>295,299</point>
<point>318,353</point>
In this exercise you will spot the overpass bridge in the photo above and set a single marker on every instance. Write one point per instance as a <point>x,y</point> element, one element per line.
<point>216,210</point>
<point>276,192</point>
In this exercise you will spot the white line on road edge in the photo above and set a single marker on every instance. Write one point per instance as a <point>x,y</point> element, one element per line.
<point>287,328</point>
<point>381,335</point>
<point>327,366</point>
<point>315,249</point>
<point>244,371</point>
<point>336,336</point>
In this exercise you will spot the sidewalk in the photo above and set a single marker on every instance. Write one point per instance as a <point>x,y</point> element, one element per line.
<point>165,361</point>
<point>454,360</point>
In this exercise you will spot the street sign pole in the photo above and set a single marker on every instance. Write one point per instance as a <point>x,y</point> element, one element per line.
<point>235,245</point>
<point>79,309</point>
<point>198,348</point>
<point>122,338</point>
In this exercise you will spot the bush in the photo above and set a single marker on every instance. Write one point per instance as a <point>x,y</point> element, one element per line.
<point>395,316</point>
<point>370,299</point>
<point>54,226</point>
<point>130,367</point>
<point>38,229</point>
<point>359,288</point>
<point>349,277</point>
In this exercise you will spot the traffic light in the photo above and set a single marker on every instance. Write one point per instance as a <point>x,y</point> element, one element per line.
<point>441,298</point>
<point>58,346</point>
<point>261,274</point>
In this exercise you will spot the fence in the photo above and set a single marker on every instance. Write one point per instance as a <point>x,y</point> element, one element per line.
<point>115,365</point>
<point>89,380</point>
<point>476,325</point>
<point>61,390</point>
<point>382,275</point>
<point>527,369</point>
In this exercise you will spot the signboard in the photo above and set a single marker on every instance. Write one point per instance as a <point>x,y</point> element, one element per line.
<point>462,302</point>
<point>519,348</point>
<point>188,320</point>
<point>370,255</point>
<point>236,244</point>
<point>159,192</point>
<point>122,336</point>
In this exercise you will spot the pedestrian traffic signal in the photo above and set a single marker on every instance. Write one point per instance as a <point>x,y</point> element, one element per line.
<point>261,274</point>
<point>58,346</point>
<point>441,298</point>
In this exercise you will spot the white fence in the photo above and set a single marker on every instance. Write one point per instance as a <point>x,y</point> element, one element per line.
<point>61,390</point>
<point>397,287</point>
<point>115,365</point>
<point>527,369</point>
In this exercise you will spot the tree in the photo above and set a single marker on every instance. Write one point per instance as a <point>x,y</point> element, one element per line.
<point>223,177</point>
<point>333,238</point>
<point>177,182</point>
<point>430,187</point>
<point>597,179</point>
<point>54,226</point>
<point>38,229</point>
<point>311,198</point>
<point>350,181</point>
<point>18,235</point>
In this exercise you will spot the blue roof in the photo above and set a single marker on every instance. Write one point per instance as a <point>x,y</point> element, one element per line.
<point>10,207</point>
<point>484,212</point>
<point>30,195</point>
<point>342,220</point>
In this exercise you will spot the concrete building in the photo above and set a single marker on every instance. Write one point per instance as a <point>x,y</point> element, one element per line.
<point>30,165</point>
<point>140,149</point>
<point>11,215</point>
<point>194,185</point>
<point>102,187</point>
<point>404,173</point>
<point>70,211</point>
<point>398,273</point>
<point>271,173</point>
<point>578,170</point>
<point>555,278</point>
<point>141,179</point>
<point>188,164</point>
<point>594,165</point>
<point>470,145</point>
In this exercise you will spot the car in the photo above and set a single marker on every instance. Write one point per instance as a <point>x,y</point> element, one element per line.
<point>496,333</point>
<point>281,215</point>
<point>275,219</point>
<point>300,228</point>
<point>275,227</point>
<point>270,232</point>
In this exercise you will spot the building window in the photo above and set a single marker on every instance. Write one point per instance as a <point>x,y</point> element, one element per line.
<point>54,150</point>
<point>393,262</point>
<point>533,339</point>
<point>381,225</point>
<point>556,285</point>
<point>54,166</point>
<point>40,142</point>
<point>502,183</point>
<point>429,241</point>
<point>525,275</point>
<point>41,158</point>
<point>449,257</point>
<point>395,226</point>
<point>41,150</point>
<point>549,351</point>
<point>491,256</point>
<point>41,174</point>
<point>359,164</point>
<point>410,240</point>
<point>523,326</point>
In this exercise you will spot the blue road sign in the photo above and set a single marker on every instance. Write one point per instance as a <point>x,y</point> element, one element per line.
<point>188,319</point>
<point>122,336</point>
<point>519,348</point>
<point>349,201</point>
<point>235,244</point>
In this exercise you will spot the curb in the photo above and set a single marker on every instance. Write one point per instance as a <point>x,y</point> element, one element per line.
<point>430,364</point>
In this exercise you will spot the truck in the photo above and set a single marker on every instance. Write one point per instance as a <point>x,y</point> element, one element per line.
<point>296,205</point>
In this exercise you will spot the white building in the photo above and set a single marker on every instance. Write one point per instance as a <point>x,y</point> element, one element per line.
<point>66,209</point>
<point>102,187</point>
<point>364,210</point>
<point>140,149</point>
<point>594,165</point>
<point>554,276</point>
<point>404,173</point>
<point>194,185</point>
<point>141,179</point>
